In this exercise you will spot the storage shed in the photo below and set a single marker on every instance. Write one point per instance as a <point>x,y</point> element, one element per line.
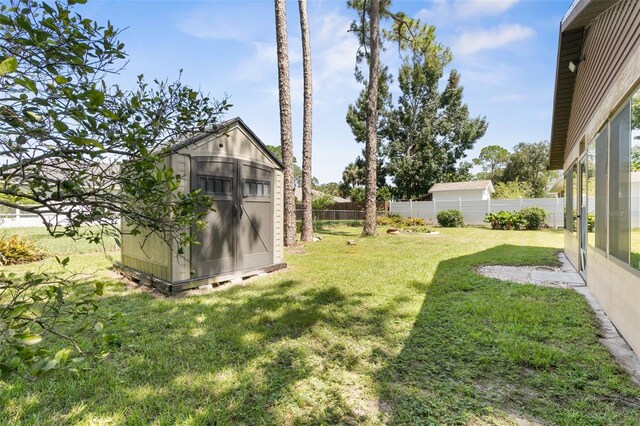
<point>244,235</point>
<point>465,191</point>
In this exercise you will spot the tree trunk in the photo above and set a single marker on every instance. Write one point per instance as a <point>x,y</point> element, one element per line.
<point>371,152</point>
<point>285,123</point>
<point>307,215</point>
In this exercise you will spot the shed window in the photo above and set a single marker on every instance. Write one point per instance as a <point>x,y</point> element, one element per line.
<point>619,174</point>
<point>253,188</point>
<point>215,185</point>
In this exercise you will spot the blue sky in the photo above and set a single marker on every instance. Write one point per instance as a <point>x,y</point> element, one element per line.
<point>505,51</point>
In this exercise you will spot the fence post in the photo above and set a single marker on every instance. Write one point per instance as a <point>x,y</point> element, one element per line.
<point>489,205</point>
<point>460,204</point>
<point>410,208</point>
<point>434,211</point>
<point>520,203</point>
<point>17,213</point>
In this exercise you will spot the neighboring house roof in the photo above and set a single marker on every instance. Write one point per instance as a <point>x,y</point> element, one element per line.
<point>572,27</point>
<point>463,186</point>
<point>314,192</point>
<point>221,129</point>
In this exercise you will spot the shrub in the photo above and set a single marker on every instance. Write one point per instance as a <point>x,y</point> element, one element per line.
<point>450,218</point>
<point>534,217</point>
<point>505,220</point>
<point>418,229</point>
<point>392,219</point>
<point>591,222</point>
<point>16,249</point>
<point>321,202</point>
<point>414,221</point>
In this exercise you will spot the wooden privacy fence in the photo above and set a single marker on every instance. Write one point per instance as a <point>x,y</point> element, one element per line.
<point>343,211</point>
<point>350,205</point>
<point>474,211</point>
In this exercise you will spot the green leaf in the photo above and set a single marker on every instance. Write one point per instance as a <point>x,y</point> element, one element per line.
<point>29,339</point>
<point>5,20</point>
<point>96,98</point>
<point>63,354</point>
<point>8,65</point>
<point>61,79</point>
<point>60,126</point>
<point>33,116</point>
<point>27,83</point>
<point>17,311</point>
<point>86,141</point>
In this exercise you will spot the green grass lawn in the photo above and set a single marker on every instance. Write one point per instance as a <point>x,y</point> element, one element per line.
<point>392,330</point>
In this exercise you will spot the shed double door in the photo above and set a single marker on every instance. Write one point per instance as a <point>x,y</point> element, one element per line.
<point>239,233</point>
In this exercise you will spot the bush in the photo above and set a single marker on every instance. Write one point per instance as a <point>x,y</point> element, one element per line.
<point>418,229</point>
<point>321,202</point>
<point>414,221</point>
<point>505,220</point>
<point>16,249</point>
<point>591,222</point>
<point>450,218</point>
<point>392,219</point>
<point>534,217</point>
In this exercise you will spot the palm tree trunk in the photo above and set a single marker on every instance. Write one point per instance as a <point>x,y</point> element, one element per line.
<point>307,215</point>
<point>285,123</point>
<point>371,152</point>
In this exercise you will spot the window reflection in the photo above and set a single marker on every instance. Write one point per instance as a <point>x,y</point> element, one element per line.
<point>591,193</point>
<point>574,198</point>
<point>634,181</point>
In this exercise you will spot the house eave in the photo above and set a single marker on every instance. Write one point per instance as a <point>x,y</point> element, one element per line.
<point>571,34</point>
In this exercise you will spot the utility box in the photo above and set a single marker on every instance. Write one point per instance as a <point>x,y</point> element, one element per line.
<point>243,236</point>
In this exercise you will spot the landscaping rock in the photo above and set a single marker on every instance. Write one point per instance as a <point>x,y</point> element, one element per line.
<point>351,242</point>
<point>393,231</point>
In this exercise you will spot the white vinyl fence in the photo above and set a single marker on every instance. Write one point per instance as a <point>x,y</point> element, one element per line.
<point>16,218</point>
<point>474,211</point>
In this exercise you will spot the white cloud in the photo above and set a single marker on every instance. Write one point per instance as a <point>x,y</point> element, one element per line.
<point>475,8</point>
<point>445,11</point>
<point>494,38</point>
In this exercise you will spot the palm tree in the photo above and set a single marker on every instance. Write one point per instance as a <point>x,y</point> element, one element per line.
<point>369,227</point>
<point>307,215</point>
<point>285,123</point>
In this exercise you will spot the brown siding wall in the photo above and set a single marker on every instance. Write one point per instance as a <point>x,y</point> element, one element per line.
<point>609,42</point>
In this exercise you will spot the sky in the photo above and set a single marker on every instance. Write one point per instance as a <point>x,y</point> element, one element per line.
<point>505,51</point>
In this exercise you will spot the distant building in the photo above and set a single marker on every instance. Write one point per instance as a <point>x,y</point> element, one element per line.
<point>595,140</point>
<point>465,191</point>
<point>316,193</point>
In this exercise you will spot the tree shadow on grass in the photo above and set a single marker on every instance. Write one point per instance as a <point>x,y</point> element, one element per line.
<point>228,359</point>
<point>484,351</point>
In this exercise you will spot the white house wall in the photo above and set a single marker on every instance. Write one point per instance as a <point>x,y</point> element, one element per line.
<point>616,287</point>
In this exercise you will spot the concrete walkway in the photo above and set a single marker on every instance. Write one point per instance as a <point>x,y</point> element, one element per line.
<point>566,276</point>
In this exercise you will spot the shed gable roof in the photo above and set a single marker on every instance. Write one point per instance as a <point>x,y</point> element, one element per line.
<point>463,186</point>
<point>223,128</point>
